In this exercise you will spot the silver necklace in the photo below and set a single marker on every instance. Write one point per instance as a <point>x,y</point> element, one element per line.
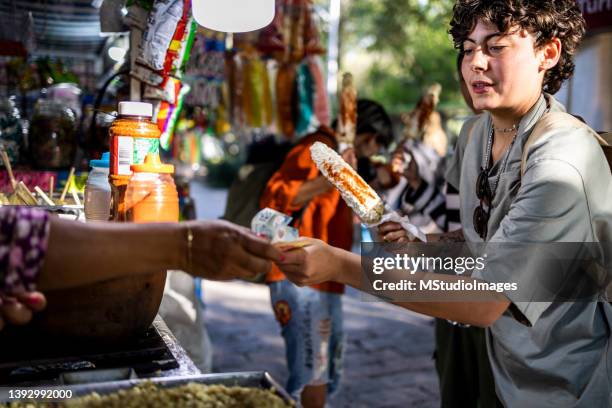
<point>487,159</point>
<point>506,130</point>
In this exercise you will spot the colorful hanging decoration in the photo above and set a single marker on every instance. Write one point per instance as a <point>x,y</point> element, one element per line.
<point>347,120</point>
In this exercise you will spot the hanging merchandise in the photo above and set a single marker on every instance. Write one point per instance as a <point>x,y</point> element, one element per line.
<point>236,85</point>
<point>347,120</point>
<point>271,41</point>
<point>296,11</point>
<point>253,90</point>
<point>320,101</point>
<point>267,106</point>
<point>285,99</point>
<point>306,121</point>
<point>180,62</point>
<point>168,117</point>
<point>162,41</point>
<point>312,42</point>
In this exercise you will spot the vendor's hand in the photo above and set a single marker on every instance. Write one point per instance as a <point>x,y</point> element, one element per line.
<point>223,251</point>
<point>18,309</point>
<point>312,264</point>
<point>393,232</point>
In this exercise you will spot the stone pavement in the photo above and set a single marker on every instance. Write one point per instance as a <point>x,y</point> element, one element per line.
<point>387,357</point>
<point>388,352</point>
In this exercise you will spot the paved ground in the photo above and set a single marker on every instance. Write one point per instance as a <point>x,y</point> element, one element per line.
<point>388,352</point>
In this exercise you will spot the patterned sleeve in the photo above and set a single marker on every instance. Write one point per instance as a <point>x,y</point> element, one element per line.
<point>23,244</point>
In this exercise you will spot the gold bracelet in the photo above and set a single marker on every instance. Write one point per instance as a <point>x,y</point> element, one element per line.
<point>189,246</point>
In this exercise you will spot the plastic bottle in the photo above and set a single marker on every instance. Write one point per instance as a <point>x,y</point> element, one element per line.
<point>132,137</point>
<point>98,190</point>
<point>151,194</point>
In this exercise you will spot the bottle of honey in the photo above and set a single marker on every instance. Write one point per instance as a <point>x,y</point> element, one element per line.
<point>151,194</point>
<point>132,137</point>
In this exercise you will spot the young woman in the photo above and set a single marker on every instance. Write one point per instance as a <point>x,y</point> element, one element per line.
<point>542,352</point>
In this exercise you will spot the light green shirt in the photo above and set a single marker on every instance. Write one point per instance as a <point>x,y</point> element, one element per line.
<point>565,357</point>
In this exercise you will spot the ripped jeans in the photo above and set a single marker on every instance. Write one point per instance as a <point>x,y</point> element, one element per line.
<point>311,325</point>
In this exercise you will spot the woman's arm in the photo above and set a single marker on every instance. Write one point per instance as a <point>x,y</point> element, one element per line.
<point>320,262</point>
<point>80,254</point>
<point>311,189</point>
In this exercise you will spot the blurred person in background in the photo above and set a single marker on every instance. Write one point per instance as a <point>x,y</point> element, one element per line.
<point>311,317</point>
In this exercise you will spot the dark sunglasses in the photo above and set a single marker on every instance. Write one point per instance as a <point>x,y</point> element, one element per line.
<point>484,194</point>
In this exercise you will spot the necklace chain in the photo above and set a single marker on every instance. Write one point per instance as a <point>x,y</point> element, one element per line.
<point>506,130</point>
<point>487,159</point>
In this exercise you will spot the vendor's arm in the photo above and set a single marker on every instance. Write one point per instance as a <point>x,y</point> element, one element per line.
<point>79,254</point>
<point>319,262</point>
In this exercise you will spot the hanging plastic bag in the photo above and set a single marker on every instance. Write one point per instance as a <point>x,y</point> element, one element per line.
<point>320,99</point>
<point>286,99</point>
<point>306,120</point>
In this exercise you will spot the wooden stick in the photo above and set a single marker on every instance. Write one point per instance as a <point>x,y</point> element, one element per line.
<point>9,169</point>
<point>68,181</point>
<point>75,196</point>
<point>25,194</point>
<point>42,195</point>
<point>51,187</point>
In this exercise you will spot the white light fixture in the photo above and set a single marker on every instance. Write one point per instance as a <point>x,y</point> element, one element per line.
<point>233,16</point>
<point>116,53</point>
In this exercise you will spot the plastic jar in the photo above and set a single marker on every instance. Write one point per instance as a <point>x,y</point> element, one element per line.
<point>151,193</point>
<point>98,190</point>
<point>132,137</point>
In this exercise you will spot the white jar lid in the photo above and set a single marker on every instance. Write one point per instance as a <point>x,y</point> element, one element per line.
<point>136,109</point>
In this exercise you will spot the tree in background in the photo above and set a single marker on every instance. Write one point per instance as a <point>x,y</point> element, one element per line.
<point>405,45</point>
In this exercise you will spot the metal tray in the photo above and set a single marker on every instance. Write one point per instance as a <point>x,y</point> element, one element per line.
<point>255,379</point>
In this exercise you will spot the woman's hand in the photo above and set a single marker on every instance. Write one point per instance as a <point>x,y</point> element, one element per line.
<point>315,263</point>
<point>393,232</point>
<point>18,309</point>
<point>222,251</point>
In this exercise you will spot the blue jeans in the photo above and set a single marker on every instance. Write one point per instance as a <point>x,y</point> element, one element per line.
<point>311,325</point>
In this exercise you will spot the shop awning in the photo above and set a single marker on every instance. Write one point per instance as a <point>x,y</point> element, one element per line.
<point>60,27</point>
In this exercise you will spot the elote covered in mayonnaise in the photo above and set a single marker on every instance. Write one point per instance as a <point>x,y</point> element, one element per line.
<point>354,190</point>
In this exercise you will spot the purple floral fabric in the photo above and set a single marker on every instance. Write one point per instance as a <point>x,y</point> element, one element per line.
<point>23,244</point>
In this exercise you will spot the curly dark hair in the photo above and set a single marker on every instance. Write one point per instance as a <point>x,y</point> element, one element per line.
<point>544,18</point>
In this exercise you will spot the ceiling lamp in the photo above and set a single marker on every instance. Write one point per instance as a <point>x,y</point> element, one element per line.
<point>233,16</point>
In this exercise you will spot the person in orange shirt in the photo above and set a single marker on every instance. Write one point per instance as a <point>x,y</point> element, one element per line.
<point>311,317</point>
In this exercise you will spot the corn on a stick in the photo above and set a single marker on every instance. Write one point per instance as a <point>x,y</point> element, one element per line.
<point>354,190</point>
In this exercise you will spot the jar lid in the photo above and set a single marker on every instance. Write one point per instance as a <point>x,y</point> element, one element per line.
<point>104,161</point>
<point>136,109</point>
<point>152,164</point>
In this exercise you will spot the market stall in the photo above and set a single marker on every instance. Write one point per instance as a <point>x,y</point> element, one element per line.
<point>100,98</point>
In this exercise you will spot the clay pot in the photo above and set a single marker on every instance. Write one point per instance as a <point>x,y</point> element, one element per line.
<point>103,312</point>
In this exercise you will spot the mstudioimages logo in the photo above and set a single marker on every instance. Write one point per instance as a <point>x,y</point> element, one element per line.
<point>441,285</point>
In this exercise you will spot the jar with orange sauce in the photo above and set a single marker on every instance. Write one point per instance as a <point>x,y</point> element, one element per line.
<point>132,137</point>
<point>151,194</point>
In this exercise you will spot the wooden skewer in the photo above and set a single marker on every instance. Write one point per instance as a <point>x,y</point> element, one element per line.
<point>9,169</point>
<point>25,194</point>
<point>42,195</point>
<point>68,181</point>
<point>51,187</point>
<point>75,196</point>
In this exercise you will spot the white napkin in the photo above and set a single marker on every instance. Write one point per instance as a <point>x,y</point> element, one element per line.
<point>393,216</point>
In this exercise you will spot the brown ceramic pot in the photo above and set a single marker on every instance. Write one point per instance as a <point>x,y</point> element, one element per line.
<point>103,312</point>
